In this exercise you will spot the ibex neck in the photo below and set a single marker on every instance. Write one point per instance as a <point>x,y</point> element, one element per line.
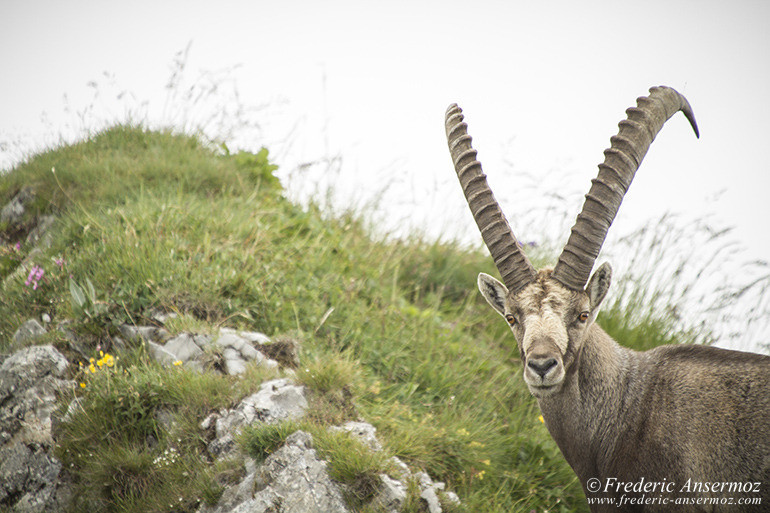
<point>580,415</point>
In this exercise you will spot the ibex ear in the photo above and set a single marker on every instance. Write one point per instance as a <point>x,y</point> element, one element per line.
<point>598,286</point>
<point>493,291</point>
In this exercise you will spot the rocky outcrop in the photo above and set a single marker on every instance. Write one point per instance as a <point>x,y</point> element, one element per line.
<point>29,472</point>
<point>13,211</point>
<point>229,352</point>
<point>393,492</point>
<point>277,400</point>
<point>291,480</point>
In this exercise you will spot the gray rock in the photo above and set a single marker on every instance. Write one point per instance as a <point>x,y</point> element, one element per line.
<point>23,369</point>
<point>238,350</point>
<point>158,352</point>
<point>252,336</point>
<point>30,330</point>
<point>452,497</point>
<point>292,480</point>
<point>233,363</point>
<point>240,345</point>
<point>142,333</point>
<point>186,347</point>
<point>29,382</point>
<point>362,431</point>
<point>162,316</point>
<point>400,467</point>
<point>277,400</point>
<point>230,352</point>
<point>118,344</point>
<point>12,212</point>
<point>240,498</point>
<point>40,235</point>
<point>31,471</point>
<point>428,492</point>
<point>295,474</point>
<point>392,494</point>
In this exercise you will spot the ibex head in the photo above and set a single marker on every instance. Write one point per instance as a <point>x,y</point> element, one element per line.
<point>549,322</point>
<point>550,311</point>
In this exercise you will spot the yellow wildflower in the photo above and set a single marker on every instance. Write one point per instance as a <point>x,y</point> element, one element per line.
<point>480,475</point>
<point>177,363</point>
<point>92,368</point>
<point>82,385</point>
<point>541,419</point>
<point>486,462</point>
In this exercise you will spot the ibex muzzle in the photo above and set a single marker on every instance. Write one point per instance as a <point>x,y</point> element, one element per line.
<point>672,414</point>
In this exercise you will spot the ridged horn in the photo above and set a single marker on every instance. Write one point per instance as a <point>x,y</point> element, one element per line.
<point>515,269</point>
<point>621,161</point>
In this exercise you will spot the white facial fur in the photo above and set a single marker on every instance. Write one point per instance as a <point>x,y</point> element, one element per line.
<point>546,318</point>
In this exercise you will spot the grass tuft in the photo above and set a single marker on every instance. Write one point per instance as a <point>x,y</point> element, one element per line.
<point>353,464</point>
<point>260,440</point>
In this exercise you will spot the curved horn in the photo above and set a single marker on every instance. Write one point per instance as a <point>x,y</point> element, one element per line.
<point>621,161</point>
<point>515,269</point>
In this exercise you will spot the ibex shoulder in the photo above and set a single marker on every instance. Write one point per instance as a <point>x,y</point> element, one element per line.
<point>691,357</point>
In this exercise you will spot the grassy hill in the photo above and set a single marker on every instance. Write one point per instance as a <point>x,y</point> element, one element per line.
<point>159,222</point>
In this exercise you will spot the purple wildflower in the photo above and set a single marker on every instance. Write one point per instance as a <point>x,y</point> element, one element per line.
<point>35,275</point>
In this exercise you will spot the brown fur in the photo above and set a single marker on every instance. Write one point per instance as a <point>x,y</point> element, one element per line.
<point>671,414</point>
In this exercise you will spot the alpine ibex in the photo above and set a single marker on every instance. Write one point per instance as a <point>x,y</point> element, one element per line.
<point>675,428</point>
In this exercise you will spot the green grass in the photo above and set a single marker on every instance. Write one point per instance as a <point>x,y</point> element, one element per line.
<point>352,463</point>
<point>392,331</point>
<point>135,444</point>
<point>261,440</point>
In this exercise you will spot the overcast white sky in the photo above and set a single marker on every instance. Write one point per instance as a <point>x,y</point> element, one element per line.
<point>543,85</point>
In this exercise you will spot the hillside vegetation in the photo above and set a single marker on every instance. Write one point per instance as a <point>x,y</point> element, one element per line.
<point>150,222</point>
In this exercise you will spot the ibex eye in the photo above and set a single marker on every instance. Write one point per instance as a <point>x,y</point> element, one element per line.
<point>511,319</point>
<point>583,317</point>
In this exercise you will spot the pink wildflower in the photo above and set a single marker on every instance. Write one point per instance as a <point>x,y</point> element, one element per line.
<point>35,275</point>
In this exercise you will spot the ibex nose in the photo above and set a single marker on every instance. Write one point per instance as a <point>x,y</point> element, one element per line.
<point>541,365</point>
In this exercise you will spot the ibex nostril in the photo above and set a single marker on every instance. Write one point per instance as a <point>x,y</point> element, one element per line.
<point>541,365</point>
